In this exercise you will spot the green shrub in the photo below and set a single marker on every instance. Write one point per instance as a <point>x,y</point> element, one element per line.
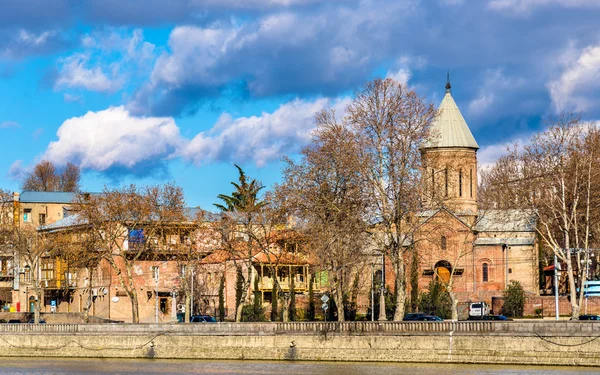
<point>514,300</point>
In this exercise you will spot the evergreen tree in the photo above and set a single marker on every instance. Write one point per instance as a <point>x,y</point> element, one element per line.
<point>514,300</point>
<point>292,298</point>
<point>311,299</point>
<point>239,287</point>
<point>222,299</point>
<point>436,301</point>
<point>274,302</point>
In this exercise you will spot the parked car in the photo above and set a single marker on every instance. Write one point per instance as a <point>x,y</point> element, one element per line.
<point>32,321</point>
<point>422,317</point>
<point>495,317</point>
<point>589,317</point>
<point>14,321</point>
<point>202,319</point>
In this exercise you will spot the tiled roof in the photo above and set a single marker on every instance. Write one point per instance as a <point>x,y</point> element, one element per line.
<point>47,197</point>
<point>69,221</point>
<point>506,221</point>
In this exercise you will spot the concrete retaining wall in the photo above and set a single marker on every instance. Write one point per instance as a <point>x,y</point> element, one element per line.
<point>566,343</point>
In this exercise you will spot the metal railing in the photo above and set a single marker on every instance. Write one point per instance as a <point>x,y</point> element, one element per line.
<point>312,328</point>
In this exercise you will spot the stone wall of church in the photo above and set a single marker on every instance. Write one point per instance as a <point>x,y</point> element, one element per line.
<point>450,178</point>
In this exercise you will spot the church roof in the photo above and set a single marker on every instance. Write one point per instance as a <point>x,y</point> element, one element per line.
<point>449,128</point>
<point>510,220</point>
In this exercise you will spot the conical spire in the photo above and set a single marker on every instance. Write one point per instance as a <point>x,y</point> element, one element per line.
<point>449,129</point>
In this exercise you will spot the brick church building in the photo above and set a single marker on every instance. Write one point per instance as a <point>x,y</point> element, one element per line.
<point>478,252</point>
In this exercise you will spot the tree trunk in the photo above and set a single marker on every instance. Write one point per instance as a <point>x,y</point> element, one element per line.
<point>400,289</point>
<point>188,306</point>
<point>454,302</point>
<point>572,289</point>
<point>88,302</point>
<point>339,301</point>
<point>286,309</point>
<point>135,314</point>
<point>238,312</point>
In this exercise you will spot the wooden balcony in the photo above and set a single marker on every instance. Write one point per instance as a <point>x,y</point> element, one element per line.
<point>265,284</point>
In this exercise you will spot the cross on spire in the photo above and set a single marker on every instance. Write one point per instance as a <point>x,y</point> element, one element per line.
<point>448,85</point>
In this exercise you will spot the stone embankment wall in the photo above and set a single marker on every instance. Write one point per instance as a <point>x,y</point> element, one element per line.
<point>550,343</point>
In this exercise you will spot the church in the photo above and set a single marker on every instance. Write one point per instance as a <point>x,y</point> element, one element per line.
<point>475,252</point>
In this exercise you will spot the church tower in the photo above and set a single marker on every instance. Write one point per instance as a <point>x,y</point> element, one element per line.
<point>449,159</point>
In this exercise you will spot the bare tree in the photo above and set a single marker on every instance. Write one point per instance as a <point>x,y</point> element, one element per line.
<point>390,122</point>
<point>30,248</point>
<point>46,177</point>
<point>133,224</point>
<point>555,174</point>
<point>324,194</point>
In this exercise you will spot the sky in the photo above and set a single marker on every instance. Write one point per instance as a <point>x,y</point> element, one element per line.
<point>149,91</point>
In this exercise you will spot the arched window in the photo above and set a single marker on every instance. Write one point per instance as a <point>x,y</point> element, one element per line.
<point>471,182</point>
<point>446,175</point>
<point>443,243</point>
<point>433,182</point>
<point>485,272</point>
<point>460,183</point>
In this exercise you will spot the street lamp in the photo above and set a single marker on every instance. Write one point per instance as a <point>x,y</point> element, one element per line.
<point>382,317</point>
<point>373,291</point>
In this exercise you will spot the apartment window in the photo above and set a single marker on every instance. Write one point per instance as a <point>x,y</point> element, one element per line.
<point>27,215</point>
<point>485,272</point>
<point>47,269</point>
<point>443,243</point>
<point>460,183</point>
<point>42,219</point>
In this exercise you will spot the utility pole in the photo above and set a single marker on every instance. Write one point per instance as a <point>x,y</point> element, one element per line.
<point>155,273</point>
<point>556,286</point>
<point>192,292</point>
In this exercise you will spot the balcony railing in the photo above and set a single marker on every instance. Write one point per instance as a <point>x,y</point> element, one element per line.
<point>266,284</point>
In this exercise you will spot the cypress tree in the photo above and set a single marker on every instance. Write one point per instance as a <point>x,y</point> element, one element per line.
<point>257,310</point>
<point>222,299</point>
<point>274,300</point>
<point>292,298</point>
<point>239,287</point>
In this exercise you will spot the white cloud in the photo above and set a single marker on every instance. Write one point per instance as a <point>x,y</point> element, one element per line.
<point>402,75</point>
<point>261,138</point>
<point>108,59</point>
<point>112,137</point>
<point>75,73</point>
<point>9,124</point>
<point>578,86</point>
<point>526,6</point>
<point>27,37</point>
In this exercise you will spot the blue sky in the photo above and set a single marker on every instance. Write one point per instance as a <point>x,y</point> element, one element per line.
<point>145,92</point>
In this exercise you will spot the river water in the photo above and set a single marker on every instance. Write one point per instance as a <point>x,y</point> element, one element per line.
<point>68,366</point>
